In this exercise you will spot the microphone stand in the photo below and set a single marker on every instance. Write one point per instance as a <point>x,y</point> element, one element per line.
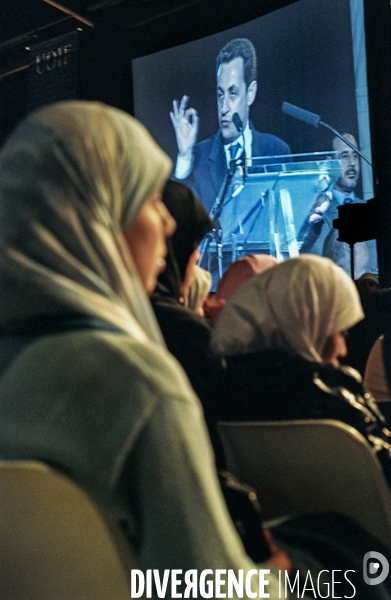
<point>344,139</point>
<point>215,213</point>
<point>241,163</point>
<point>217,208</point>
<point>313,119</point>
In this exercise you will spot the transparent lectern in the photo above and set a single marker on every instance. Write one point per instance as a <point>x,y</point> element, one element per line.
<point>263,206</point>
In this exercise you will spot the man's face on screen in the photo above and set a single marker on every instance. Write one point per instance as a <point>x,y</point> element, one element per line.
<point>350,164</point>
<point>233,97</point>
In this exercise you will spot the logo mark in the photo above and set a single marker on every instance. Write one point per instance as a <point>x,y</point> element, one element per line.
<point>375,568</point>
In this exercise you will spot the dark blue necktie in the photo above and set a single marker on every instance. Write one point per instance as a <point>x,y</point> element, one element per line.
<point>233,150</point>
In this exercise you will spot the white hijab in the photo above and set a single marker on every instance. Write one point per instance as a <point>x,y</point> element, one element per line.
<point>293,306</point>
<point>73,176</point>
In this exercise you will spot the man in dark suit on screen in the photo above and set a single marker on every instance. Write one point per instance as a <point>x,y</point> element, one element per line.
<point>203,166</point>
<point>320,236</point>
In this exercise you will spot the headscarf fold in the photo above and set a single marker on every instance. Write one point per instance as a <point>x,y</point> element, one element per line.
<point>73,176</point>
<point>294,306</point>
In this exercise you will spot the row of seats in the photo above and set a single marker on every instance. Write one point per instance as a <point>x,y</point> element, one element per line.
<point>56,544</point>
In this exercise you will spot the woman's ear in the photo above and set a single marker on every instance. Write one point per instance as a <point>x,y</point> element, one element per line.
<point>334,348</point>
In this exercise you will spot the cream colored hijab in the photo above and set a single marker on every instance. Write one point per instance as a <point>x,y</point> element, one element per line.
<point>73,176</point>
<point>294,306</point>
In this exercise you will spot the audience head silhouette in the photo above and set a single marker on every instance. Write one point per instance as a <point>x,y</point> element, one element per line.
<point>193,223</point>
<point>240,271</point>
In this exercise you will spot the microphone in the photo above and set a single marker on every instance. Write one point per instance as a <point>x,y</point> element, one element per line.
<point>239,163</point>
<point>237,167</point>
<point>237,121</point>
<point>301,114</point>
<point>312,119</point>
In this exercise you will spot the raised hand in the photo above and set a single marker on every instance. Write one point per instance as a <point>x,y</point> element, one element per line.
<point>185,123</point>
<point>321,205</point>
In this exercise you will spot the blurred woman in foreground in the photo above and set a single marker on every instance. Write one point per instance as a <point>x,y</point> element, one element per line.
<point>86,382</point>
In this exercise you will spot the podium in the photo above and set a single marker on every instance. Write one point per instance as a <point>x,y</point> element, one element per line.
<point>266,201</point>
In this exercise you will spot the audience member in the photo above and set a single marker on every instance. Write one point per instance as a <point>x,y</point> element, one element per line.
<point>377,376</point>
<point>213,307</point>
<point>367,284</point>
<point>198,290</point>
<point>186,334</point>
<point>375,373</point>
<point>82,235</point>
<point>240,271</point>
<point>237,273</point>
<point>282,334</point>
<point>362,336</point>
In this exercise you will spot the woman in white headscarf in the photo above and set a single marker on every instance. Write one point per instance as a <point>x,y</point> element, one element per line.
<point>86,383</point>
<point>281,334</point>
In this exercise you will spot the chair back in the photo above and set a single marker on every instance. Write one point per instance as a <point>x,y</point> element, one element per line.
<point>55,543</point>
<point>310,466</point>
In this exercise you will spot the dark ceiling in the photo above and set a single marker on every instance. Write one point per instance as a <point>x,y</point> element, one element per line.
<point>27,22</point>
<point>113,32</point>
<point>141,26</point>
<point>22,21</point>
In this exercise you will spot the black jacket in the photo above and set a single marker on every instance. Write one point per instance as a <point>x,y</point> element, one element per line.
<point>275,385</point>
